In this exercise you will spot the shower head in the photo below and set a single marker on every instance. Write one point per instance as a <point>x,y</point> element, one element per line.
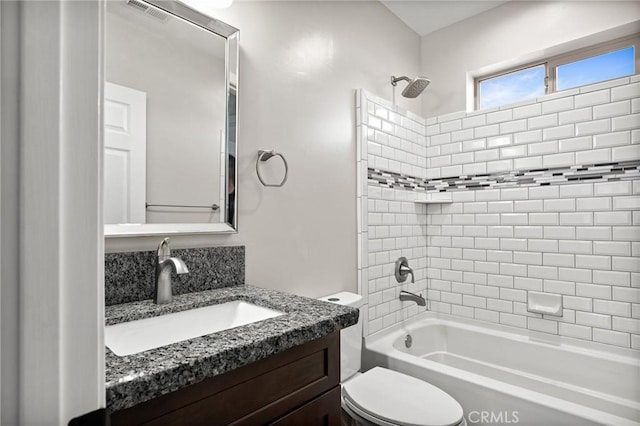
<point>415,86</point>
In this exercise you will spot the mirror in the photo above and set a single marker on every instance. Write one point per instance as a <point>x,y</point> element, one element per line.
<point>170,110</point>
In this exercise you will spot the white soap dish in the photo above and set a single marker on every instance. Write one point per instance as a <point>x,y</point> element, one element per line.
<point>544,303</point>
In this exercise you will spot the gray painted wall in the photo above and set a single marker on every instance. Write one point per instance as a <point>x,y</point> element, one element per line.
<point>9,219</point>
<point>300,65</point>
<point>515,33</point>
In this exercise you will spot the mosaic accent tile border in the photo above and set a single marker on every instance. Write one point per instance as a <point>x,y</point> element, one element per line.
<point>604,172</point>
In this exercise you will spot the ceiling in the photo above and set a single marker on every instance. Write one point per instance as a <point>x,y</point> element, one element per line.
<point>427,16</point>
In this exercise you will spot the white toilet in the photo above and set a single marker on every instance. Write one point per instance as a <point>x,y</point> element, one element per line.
<point>386,397</point>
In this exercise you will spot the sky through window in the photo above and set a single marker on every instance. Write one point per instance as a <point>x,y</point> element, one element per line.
<point>597,68</point>
<point>512,87</point>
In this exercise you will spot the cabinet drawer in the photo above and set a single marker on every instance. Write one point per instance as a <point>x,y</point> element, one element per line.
<point>254,394</point>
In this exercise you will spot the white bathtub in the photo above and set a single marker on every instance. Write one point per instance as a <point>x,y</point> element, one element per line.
<point>504,375</point>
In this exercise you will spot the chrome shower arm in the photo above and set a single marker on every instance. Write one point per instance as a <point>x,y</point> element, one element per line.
<point>395,80</point>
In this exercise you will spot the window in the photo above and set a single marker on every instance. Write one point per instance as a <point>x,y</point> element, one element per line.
<point>513,87</point>
<point>607,66</point>
<point>606,61</point>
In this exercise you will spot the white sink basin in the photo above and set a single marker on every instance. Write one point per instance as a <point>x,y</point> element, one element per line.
<point>131,337</point>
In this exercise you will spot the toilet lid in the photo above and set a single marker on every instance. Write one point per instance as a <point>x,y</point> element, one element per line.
<point>400,399</point>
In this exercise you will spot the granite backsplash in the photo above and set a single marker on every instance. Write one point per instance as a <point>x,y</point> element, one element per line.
<point>129,276</point>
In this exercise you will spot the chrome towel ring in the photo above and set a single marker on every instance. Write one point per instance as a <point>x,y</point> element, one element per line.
<point>264,155</point>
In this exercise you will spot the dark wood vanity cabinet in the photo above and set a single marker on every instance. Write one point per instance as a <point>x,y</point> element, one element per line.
<point>297,387</point>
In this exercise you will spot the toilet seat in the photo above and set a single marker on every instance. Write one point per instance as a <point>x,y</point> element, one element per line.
<point>390,398</point>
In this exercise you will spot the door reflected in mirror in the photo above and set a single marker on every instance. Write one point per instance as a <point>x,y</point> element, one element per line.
<point>170,102</point>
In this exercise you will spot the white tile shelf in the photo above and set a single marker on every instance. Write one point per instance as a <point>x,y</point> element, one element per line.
<point>435,199</point>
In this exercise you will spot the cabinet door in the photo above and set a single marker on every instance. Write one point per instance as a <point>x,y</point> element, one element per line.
<point>255,394</point>
<point>324,410</point>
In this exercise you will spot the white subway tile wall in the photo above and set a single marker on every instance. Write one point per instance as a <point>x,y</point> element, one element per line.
<point>390,223</point>
<point>483,252</point>
<point>574,239</point>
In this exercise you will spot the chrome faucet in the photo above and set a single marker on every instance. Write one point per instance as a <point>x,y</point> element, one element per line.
<point>406,296</point>
<point>163,265</point>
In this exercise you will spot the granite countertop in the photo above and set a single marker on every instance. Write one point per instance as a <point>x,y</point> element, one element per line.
<point>136,378</point>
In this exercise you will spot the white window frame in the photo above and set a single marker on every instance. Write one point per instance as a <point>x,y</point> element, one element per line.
<point>553,62</point>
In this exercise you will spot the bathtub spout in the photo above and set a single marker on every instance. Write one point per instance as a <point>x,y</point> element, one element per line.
<point>406,296</point>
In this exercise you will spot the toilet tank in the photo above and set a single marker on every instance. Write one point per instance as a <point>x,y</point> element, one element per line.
<point>350,337</point>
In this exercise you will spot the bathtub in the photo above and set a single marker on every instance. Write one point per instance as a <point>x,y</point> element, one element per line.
<point>505,375</point>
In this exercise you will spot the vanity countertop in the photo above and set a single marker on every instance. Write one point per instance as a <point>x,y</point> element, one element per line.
<point>136,378</point>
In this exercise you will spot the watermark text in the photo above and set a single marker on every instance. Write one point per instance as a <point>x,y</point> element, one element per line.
<point>493,417</point>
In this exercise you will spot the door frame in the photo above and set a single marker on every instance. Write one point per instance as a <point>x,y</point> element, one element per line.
<point>59,245</point>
